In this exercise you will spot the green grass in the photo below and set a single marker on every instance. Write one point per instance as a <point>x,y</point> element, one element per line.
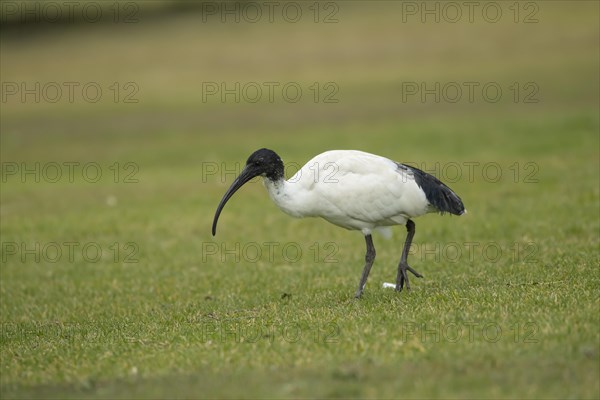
<point>184,322</point>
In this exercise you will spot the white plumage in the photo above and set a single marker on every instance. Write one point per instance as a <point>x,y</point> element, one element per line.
<point>351,189</point>
<point>354,190</point>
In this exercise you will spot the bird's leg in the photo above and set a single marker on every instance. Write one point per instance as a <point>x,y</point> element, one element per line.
<point>369,258</point>
<point>403,266</point>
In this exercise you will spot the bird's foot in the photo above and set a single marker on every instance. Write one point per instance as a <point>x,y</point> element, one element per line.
<point>359,292</point>
<point>403,276</point>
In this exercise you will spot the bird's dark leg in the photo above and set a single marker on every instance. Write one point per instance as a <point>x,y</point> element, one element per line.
<point>403,266</point>
<point>369,258</point>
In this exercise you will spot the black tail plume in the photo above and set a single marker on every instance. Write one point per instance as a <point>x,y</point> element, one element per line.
<point>440,196</point>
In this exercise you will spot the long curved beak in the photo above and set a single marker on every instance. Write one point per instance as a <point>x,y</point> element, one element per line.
<point>246,174</point>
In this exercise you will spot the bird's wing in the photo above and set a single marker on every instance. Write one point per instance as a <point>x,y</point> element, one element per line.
<point>364,187</point>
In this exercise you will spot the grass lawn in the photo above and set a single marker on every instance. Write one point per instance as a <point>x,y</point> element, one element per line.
<point>112,286</point>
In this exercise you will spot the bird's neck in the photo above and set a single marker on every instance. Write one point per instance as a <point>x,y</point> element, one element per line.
<point>282,194</point>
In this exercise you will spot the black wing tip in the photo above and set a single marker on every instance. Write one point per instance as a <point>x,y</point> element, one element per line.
<point>452,212</point>
<point>451,202</point>
<point>440,196</point>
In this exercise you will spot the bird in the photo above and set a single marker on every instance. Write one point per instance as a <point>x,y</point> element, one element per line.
<point>354,190</point>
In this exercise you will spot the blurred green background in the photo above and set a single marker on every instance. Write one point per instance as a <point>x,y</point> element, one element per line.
<point>355,63</point>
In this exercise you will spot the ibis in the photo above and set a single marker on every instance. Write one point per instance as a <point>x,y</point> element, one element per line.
<point>354,190</point>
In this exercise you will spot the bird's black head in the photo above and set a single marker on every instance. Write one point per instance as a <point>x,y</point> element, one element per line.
<point>263,162</point>
<point>266,163</point>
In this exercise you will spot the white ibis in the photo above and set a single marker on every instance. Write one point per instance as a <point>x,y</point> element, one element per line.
<point>354,190</point>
